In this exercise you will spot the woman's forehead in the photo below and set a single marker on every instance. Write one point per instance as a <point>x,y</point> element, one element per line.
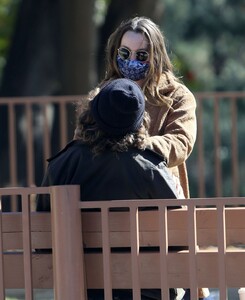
<point>134,40</point>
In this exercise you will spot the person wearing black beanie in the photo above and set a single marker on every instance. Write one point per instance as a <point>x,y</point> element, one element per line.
<point>109,158</point>
<point>119,108</point>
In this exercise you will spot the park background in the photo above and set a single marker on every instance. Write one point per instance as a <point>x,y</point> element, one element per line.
<point>56,48</point>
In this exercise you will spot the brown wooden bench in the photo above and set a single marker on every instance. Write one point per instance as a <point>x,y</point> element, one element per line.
<point>127,244</point>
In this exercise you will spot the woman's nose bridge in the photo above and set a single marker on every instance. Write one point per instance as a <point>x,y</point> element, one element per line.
<point>133,55</point>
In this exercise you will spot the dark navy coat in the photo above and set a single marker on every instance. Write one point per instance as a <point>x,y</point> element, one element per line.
<point>133,174</point>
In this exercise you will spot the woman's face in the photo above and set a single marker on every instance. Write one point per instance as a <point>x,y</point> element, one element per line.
<point>134,41</point>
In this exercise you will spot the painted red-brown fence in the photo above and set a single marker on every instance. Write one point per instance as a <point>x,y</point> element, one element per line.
<point>34,128</point>
<point>122,223</point>
<point>21,267</point>
<point>220,132</point>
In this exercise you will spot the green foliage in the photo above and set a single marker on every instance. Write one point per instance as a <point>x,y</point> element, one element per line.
<point>208,37</point>
<point>8,10</point>
<point>100,11</point>
<point>208,50</point>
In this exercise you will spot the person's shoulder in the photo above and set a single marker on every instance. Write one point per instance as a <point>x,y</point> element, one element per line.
<point>182,89</point>
<point>183,95</point>
<point>73,146</point>
<point>173,85</point>
<point>180,92</point>
<point>150,156</point>
<point>152,153</point>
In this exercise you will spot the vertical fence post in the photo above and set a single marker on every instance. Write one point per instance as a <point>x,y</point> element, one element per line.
<point>163,239</point>
<point>221,231</point>
<point>26,225</point>
<point>192,239</point>
<point>106,254</point>
<point>2,289</point>
<point>135,251</point>
<point>67,243</point>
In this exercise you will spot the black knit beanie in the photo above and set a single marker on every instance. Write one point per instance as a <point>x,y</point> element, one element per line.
<point>119,107</point>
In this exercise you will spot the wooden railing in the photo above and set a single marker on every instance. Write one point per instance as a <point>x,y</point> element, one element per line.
<point>216,166</point>
<point>33,129</point>
<point>122,244</point>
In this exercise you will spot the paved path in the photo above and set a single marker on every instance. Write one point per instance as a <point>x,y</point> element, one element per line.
<point>38,295</point>
<point>48,295</point>
<point>232,295</point>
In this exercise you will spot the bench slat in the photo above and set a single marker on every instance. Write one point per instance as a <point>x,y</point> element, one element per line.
<point>207,265</point>
<point>120,228</point>
<point>207,262</point>
<point>14,272</point>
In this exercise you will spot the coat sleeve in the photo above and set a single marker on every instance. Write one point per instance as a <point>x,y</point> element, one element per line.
<point>178,130</point>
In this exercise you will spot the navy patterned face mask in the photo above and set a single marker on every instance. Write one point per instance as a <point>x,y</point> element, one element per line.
<point>132,69</point>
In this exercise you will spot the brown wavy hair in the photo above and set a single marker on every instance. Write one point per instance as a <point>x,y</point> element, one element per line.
<point>161,69</point>
<point>89,133</point>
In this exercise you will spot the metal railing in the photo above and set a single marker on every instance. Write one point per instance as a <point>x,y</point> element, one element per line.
<point>35,128</point>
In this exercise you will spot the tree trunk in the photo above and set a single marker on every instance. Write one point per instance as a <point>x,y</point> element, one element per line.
<point>52,49</point>
<point>76,44</point>
<point>31,63</point>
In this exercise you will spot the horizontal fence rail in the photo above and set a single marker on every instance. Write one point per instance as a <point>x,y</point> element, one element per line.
<point>35,128</point>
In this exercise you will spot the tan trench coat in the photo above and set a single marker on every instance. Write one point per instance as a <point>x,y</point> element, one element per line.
<point>173,128</point>
<point>173,132</point>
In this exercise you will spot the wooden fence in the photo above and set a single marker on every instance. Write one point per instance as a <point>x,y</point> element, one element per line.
<point>33,129</point>
<point>122,244</point>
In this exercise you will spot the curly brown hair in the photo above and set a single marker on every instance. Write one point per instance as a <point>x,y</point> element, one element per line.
<point>89,133</point>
